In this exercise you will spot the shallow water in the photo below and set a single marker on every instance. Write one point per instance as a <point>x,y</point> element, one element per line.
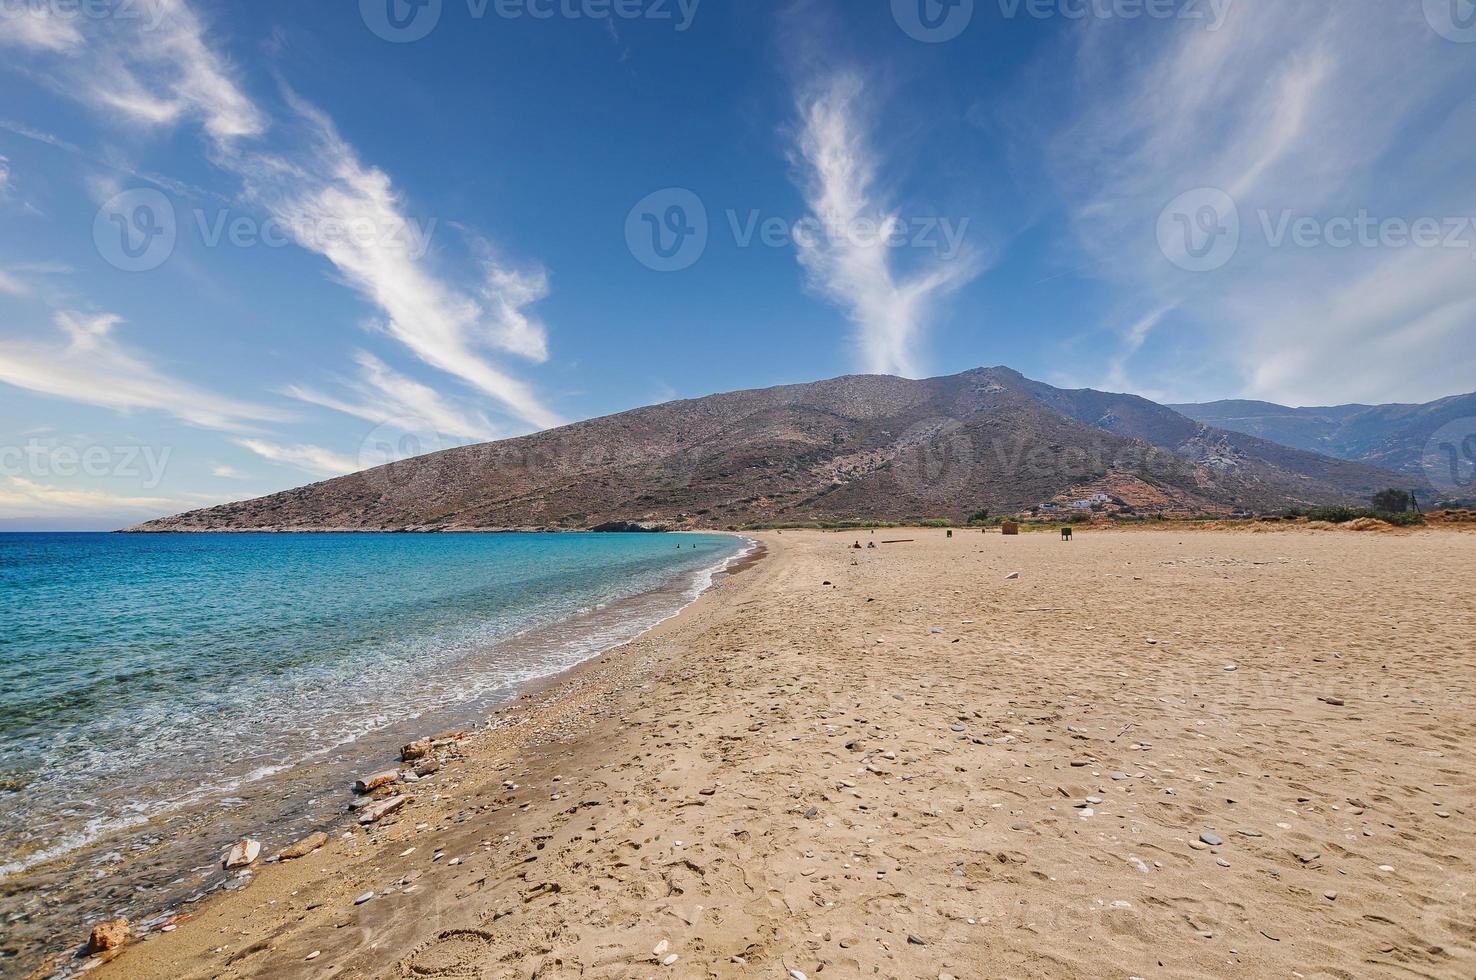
<point>164,694</point>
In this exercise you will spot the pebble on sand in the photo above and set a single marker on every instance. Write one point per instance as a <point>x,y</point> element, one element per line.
<point>371,783</point>
<point>108,935</point>
<point>383,809</point>
<point>304,847</point>
<point>1210,839</point>
<point>367,896</point>
<point>244,852</point>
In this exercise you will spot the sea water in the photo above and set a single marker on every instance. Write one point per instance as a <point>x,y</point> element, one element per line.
<point>163,694</point>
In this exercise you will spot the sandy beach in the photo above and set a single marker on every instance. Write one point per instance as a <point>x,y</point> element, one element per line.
<point>1155,753</point>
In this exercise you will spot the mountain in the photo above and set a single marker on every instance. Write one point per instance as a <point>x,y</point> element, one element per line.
<point>1394,437</point>
<point>854,447</point>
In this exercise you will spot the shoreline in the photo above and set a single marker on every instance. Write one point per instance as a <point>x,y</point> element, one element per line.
<point>308,782</point>
<point>837,753</point>
<point>538,705</point>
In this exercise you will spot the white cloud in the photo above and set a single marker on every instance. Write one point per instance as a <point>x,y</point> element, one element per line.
<point>1288,108</point>
<point>23,498</point>
<point>851,262</point>
<point>310,459</point>
<point>384,396</point>
<point>91,366</point>
<point>10,285</point>
<point>226,472</point>
<point>38,27</point>
<point>160,69</point>
<point>1133,339</point>
<point>40,136</point>
<point>443,325</point>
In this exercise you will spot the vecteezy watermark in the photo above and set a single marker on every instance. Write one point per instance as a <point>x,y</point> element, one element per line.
<point>399,453</point>
<point>138,230</point>
<point>1454,20</point>
<point>667,230</point>
<point>1364,230</point>
<point>936,21</point>
<point>47,458</point>
<point>670,230</point>
<point>403,21</point>
<point>149,16</point>
<point>1449,459</point>
<point>1201,230</point>
<point>933,21</point>
<point>1211,13</point>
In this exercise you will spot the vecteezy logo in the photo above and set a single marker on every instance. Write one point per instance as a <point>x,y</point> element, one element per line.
<point>1454,20</point>
<point>1450,458</point>
<point>935,461</point>
<point>1199,231</point>
<point>136,230</point>
<point>933,21</point>
<point>401,21</point>
<point>667,230</point>
<point>394,454</point>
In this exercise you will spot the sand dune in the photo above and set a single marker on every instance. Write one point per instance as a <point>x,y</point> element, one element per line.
<point>1156,753</point>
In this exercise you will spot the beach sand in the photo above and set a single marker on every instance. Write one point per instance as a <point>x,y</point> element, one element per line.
<point>925,769</point>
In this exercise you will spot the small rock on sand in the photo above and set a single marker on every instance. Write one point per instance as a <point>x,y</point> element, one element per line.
<point>371,783</point>
<point>383,808</point>
<point>366,897</point>
<point>108,935</point>
<point>243,853</point>
<point>1210,839</point>
<point>1012,576</point>
<point>304,847</point>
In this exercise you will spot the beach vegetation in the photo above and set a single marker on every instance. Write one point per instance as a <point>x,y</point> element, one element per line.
<point>1343,515</point>
<point>1394,501</point>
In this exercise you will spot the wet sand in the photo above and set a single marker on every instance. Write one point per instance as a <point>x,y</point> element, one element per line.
<point>1155,753</point>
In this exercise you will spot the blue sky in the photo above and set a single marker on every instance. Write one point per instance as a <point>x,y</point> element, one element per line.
<point>248,246</point>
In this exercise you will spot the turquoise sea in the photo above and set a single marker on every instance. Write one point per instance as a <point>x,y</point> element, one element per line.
<point>164,694</point>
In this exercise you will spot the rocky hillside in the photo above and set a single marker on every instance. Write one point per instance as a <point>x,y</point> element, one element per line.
<point>1395,437</point>
<point>854,447</point>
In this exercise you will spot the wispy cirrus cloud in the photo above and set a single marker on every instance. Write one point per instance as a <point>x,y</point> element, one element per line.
<point>38,28</point>
<point>852,262</point>
<point>446,326</point>
<point>25,498</point>
<point>161,69</point>
<point>312,459</point>
<point>89,364</point>
<point>383,395</point>
<point>1289,110</point>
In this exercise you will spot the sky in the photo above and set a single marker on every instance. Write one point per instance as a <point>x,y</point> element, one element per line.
<point>248,246</point>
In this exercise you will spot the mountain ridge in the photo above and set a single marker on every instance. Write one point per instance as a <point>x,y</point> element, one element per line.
<point>1396,436</point>
<point>854,447</point>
